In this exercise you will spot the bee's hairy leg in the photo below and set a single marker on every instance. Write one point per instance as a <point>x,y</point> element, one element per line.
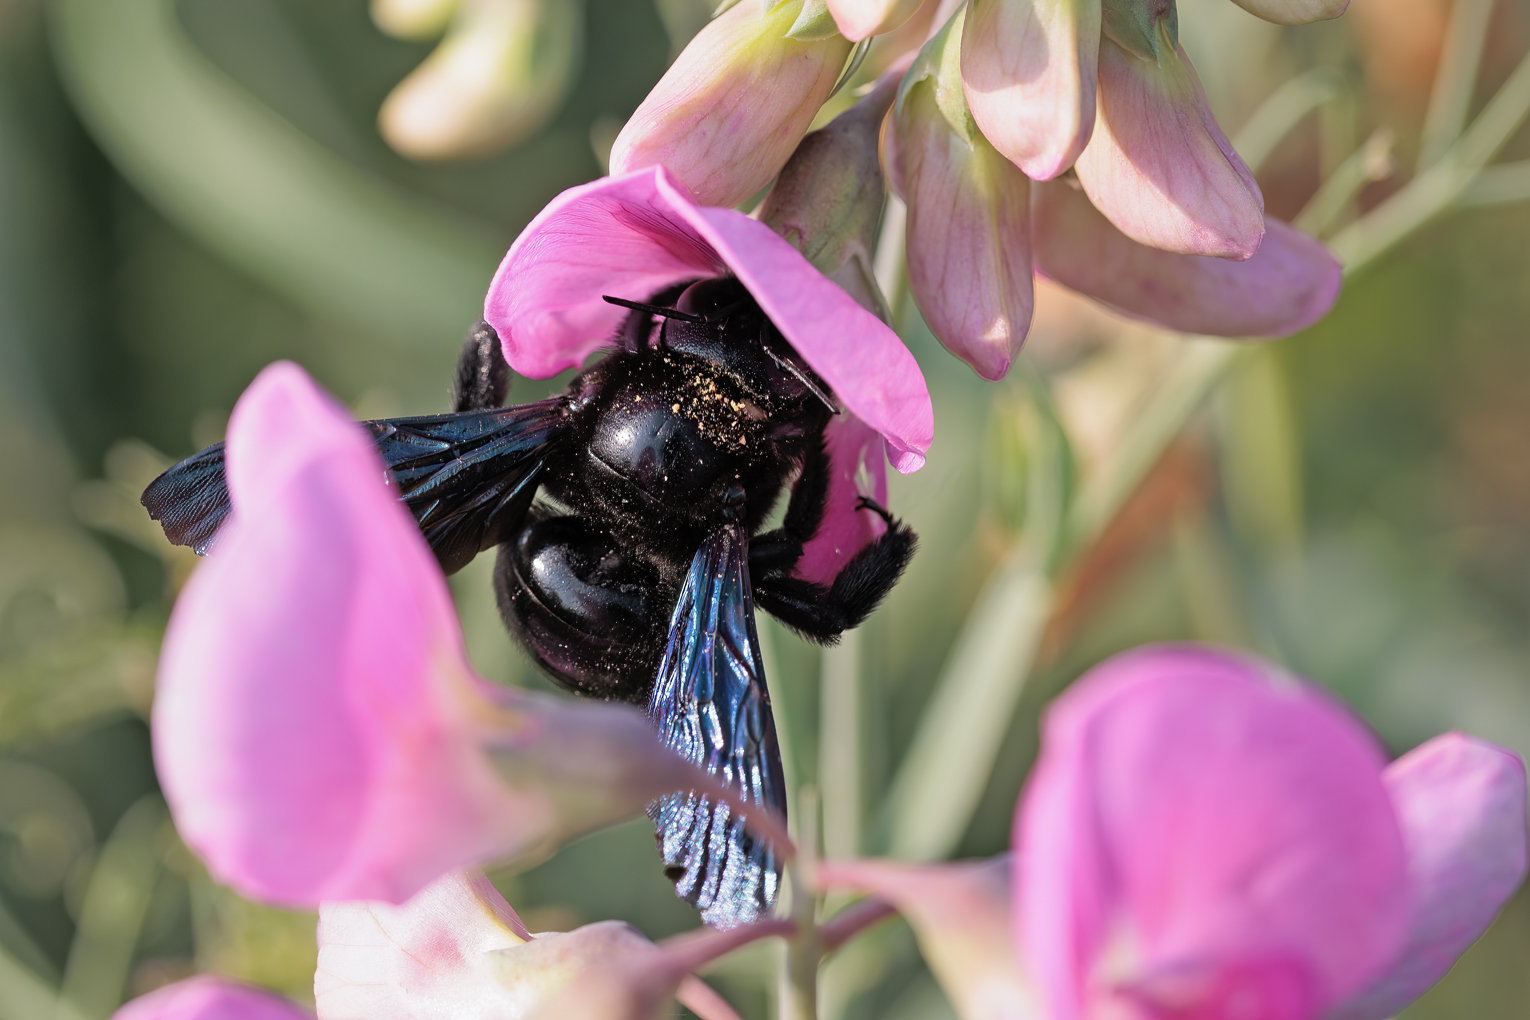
<point>776,552</point>
<point>483,376</point>
<point>822,612</point>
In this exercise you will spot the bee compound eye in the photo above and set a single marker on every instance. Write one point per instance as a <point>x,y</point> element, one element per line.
<point>582,606</point>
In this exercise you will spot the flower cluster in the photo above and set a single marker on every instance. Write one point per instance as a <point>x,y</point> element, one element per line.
<point>1158,218</point>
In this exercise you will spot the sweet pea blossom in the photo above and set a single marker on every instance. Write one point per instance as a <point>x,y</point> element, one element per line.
<point>206,997</point>
<point>729,111</point>
<point>457,950</point>
<point>318,732</point>
<point>1204,836</point>
<point>1104,85</point>
<point>639,233</point>
<point>978,228</point>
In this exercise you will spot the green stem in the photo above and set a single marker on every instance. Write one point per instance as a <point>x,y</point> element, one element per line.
<point>1456,79</point>
<point>804,950</point>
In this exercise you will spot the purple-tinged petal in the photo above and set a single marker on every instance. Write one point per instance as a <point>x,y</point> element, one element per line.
<point>1160,168</point>
<point>457,951</point>
<point>1289,283</point>
<point>206,997</point>
<point>317,730</point>
<point>1462,804</point>
<point>1202,833</point>
<point>430,957</point>
<point>1029,68</point>
<point>1294,12</point>
<point>642,985</point>
<point>969,237</point>
<point>731,108</point>
<point>861,19</point>
<point>634,235</point>
<point>857,468</point>
<point>961,915</point>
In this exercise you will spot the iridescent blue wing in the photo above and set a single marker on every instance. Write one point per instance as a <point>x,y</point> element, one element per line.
<point>467,477</point>
<point>710,703</point>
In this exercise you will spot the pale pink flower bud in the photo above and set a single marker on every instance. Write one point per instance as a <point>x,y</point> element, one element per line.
<point>1029,71</point>
<point>1294,12</point>
<point>500,73</point>
<point>969,246</point>
<point>828,199</point>
<point>1159,166</point>
<point>727,114</point>
<point>861,19</point>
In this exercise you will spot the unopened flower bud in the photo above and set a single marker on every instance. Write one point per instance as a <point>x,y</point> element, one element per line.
<point>731,109</point>
<point>862,19</point>
<point>502,70</point>
<point>1294,12</point>
<point>413,19</point>
<point>969,243</point>
<point>828,200</point>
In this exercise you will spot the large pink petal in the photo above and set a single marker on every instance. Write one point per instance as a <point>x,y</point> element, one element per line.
<point>210,998</point>
<point>1201,831</point>
<point>1290,282</point>
<point>961,915</point>
<point>1159,166</point>
<point>731,108</point>
<point>633,235</point>
<point>1294,12</point>
<point>857,468</point>
<point>1029,70</point>
<point>317,730</point>
<point>1463,811</point>
<point>861,19</point>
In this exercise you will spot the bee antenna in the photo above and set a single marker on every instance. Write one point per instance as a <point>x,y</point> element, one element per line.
<point>802,376</point>
<point>659,310</point>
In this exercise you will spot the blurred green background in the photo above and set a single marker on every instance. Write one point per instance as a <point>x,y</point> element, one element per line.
<point>191,190</point>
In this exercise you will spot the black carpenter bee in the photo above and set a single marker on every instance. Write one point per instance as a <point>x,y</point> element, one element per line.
<point>635,575</point>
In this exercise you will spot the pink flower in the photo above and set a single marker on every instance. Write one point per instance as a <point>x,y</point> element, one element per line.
<point>457,949</point>
<point>728,113</point>
<point>318,731</point>
<point>1204,837</point>
<point>978,228</point>
<point>1105,86</point>
<point>634,235</point>
<point>209,998</point>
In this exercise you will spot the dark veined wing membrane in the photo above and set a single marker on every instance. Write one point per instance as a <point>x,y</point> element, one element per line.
<point>467,477</point>
<point>710,703</point>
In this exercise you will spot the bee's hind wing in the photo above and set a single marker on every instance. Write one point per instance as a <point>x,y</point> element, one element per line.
<point>711,704</point>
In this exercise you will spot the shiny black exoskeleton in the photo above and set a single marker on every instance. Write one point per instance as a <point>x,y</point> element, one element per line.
<point>630,518</point>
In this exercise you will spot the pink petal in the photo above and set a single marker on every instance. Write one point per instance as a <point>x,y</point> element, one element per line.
<point>1029,69</point>
<point>210,998</point>
<point>1294,12</point>
<point>861,19</point>
<point>1463,811</point>
<point>1200,832</point>
<point>1159,166</point>
<point>434,956</point>
<point>969,237</point>
<point>1289,283</point>
<point>317,731</point>
<point>641,986</point>
<point>632,236</point>
<point>731,108</point>
<point>961,915</point>
<point>857,468</point>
